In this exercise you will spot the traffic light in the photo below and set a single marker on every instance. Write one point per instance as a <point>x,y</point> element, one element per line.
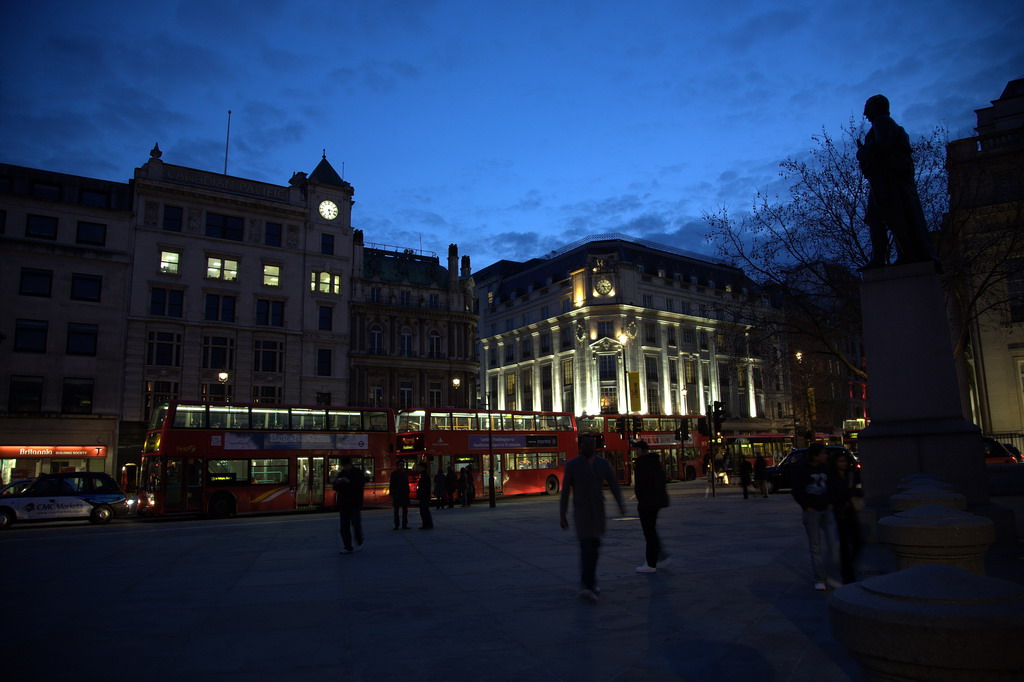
<point>702,426</point>
<point>638,424</point>
<point>620,424</point>
<point>683,432</point>
<point>717,416</point>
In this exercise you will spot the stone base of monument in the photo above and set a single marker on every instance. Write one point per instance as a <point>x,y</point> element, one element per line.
<point>932,622</point>
<point>938,534</point>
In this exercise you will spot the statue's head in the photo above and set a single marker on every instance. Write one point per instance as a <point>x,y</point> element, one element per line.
<point>877,105</point>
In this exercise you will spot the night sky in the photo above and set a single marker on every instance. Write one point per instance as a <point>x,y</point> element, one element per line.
<point>508,128</point>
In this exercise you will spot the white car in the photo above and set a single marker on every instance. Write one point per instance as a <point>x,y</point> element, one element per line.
<point>87,495</point>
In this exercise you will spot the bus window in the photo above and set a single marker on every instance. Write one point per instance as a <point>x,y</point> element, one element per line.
<point>228,471</point>
<point>190,417</point>
<point>308,420</point>
<point>411,421</point>
<point>442,421</point>
<point>152,442</point>
<point>269,471</point>
<point>462,421</point>
<point>228,417</point>
<point>159,415</point>
<point>376,421</point>
<point>269,418</point>
<point>524,422</point>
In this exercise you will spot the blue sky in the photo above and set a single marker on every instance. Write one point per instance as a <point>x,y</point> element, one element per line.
<point>509,128</point>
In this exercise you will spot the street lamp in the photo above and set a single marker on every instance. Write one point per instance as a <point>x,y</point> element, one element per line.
<point>223,377</point>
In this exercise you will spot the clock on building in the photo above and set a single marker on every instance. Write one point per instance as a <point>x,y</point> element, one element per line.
<point>603,286</point>
<point>329,209</point>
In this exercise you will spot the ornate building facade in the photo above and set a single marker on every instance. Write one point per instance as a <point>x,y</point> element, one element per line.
<point>617,325</point>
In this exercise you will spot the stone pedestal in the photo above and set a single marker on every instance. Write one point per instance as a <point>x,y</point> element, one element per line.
<point>938,534</point>
<point>917,424</point>
<point>932,622</point>
<point>926,495</point>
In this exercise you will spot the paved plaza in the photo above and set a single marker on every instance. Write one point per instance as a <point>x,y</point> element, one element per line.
<point>489,594</point>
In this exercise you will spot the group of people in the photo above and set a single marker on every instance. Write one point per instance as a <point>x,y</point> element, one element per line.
<point>449,487</point>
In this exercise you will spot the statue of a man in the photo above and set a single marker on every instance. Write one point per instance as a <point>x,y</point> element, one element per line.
<point>893,205</point>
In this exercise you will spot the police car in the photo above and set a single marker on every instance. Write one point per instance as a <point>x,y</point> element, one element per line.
<point>86,495</point>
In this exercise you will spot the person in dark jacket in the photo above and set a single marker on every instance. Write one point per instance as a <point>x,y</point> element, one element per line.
<point>400,494</point>
<point>651,497</point>
<point>423,496</point>
<point>463,484</point>
<point>761,475</point>
<point>440,488</point>
<point>814,490</point>
<point>746,473</point>
<point>348,488</point>
<point>849,492</point>
<point>452,485</point>
<point>584,478</point>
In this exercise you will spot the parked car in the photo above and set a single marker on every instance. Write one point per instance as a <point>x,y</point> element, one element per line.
<point>87,495</point>
<point>780,476</point>
<point>1015,452</point>
<point>997,453</point>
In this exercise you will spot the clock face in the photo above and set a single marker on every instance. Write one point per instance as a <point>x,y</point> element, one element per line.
<point>328,209</point>
<point>603,286</point>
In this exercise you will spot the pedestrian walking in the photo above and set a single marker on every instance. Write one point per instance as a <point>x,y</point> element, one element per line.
<point>440,489</point>
<point>814,490</point>
<point>462,485</point>
<point>423,496</point>
<point>761,475</point>
<point>651,497</point>
<point>470,485</point>
<point>584,479</point>
<point>399,489</point>
<point>348,489</point>
<point>452,485</point>
<point>746,475</point>
<point>849,497</point>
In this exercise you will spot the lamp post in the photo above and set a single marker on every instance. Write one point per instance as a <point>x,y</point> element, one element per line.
<point>490,451</point>
<point>223,377</point>
<point>456,382</point>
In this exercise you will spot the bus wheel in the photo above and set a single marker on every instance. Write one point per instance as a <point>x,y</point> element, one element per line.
<point>101,514</point>
<point>690,474</point>
<point>222,506</point>
<point>551,486</point>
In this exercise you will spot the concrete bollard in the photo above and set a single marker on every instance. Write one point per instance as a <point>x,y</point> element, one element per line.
<point>932,622</point>
<point>925,494</point>
<point>937,534</point>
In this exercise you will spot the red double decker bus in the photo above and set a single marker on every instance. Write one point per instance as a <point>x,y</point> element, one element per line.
<point>674,437</point>
<point>219,459</point>
<point>529,449</point>
<point>772,446</point>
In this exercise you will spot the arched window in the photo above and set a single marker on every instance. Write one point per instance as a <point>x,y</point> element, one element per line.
<point>376,345</point>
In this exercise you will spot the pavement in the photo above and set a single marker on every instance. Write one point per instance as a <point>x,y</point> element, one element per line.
<point>488,594</point>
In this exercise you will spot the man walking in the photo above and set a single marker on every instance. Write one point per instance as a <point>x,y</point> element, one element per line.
<point>423,496</point>
<point>585,476</point>
<point>651,497</point>
<point>400,494</point>
<point>814,491</point>
<point>348,488</point>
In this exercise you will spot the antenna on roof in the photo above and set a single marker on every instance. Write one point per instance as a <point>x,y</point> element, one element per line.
<point>227,141</point>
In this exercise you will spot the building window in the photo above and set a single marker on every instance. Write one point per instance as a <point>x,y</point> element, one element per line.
<point>567,372</point>
<point>325,318</point>
<point>566,338</point>
<point>91,233</point>
<point>405,394</point>
<point>325,282</point>
<point>607,365</point>
<point>323,362</point>
<point>671,335</point>
<point>172,218</point>
<point>272,234</point>
<point>271,275</point>
<point>670,304</point>
<point>650,334</point>
<point>221,268</point>
<point>76,397</point>
<point>376,340</point>
<point>690,368</point>
<point>653,399</point>
<point>269,313</point>
<point>166,302</point>
<point>545,343</point>
<point>527,351</point>
<point>220,308</point>
<point>510,353</point>
<point>159,392</point>
<point>82,339</point>
<point>527,382</point>
<point>215,393</point>
<point>224,226</point>
<point>689,338</point>
<point>648,300</point>
<point>26,394</point>
<point>41,227</point>
<point>218,352</point>
<point>169,262</point>
<point>35,282</point>
<point>434,301</point>
<point>86,287</point>
<point>375,295</point>
<point>376,396</point>
<point>268,356</point>
<point>510,391</point>
<point>404,298</point>
<point>405,342</point>
<point>673,371</point>
<point>703,335</point>
<point>609,400</point>
<point>605,328</point>
<point>327,244</point>
<point>435,345</point>
<point>163,349</point>
<point>434,395</point>
<point>270,395</point>
<point>30,336</point>
<point>651,367</point>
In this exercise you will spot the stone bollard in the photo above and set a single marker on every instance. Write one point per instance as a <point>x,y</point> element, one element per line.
<point>919,480</point>
<point>932,622</point>
<point>937,534</point>
<point>925,494</point>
